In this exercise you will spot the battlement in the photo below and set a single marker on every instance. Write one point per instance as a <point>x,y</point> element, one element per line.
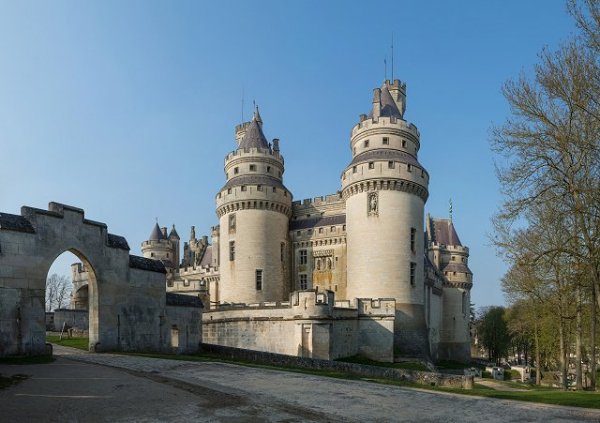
<point>388,122</point>
<point>396,85</point>
<point>254,153</point>
<point>319,201</point>
<point>458,249</point>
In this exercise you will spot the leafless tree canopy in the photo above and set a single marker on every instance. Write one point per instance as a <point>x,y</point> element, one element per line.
<point>58,291</point>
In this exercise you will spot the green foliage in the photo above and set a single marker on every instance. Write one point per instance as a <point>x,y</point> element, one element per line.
<point>79,343</point>
<point>486,375</point>
<point>494,333</point>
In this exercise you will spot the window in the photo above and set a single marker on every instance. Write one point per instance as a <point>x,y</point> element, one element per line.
<point>353,169</point>
<point>366,143</point>
<point>371,165</point>
<point>282,251</point>
<point>232,222</point>
<point>259,279</point>
<point>151,254</point>
<point>303,281</point>
<point>413,273</point>
<point>343,227</point>
<point>409,168</point>
<point>236,170</point>
<point>259,187</point>
<point>453,258</point>
<point>252,168</point>
<point>186,282</point>
<point>274,189</point>
<point>268,169</point>
<point>332,229</point>
<point>320,230</point>
<point>386,141</point>
<point>243,187</point>
<point>231,250</point>
<point>298,233</point>
<point>228,190</point>
<point>391,165</point>
<point>404,143</point>
<point>413,234</point>
<point>303,257</point>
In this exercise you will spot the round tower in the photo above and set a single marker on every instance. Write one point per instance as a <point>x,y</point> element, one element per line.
<point>159,247</point>
<point>253,209</point>
<point>385,189</point>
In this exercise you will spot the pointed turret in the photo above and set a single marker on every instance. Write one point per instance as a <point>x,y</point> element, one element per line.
<point>156,233</point>
<point>173,234</point>
<point>254,136</point>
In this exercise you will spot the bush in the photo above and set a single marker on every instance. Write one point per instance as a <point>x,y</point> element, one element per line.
<point>486,375</point>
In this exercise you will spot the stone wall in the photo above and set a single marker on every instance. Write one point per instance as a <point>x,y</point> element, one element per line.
<point>420,377</point>
<point>126,293</point>
<point>77,319</point>
<point>309,325</point>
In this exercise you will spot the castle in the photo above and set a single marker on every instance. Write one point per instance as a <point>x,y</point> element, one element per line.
<point>361,271</point>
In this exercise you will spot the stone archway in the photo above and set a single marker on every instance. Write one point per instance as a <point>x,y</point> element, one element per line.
<point>127,301</point>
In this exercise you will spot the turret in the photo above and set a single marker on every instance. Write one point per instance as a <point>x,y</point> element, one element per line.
<point>160,247</point>
<point>174,239</point>
<point>451,258</point>
<point>385,189</point>
<point>253,209</point>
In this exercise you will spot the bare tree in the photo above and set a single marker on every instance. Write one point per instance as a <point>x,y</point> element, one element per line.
<point>58,290</point>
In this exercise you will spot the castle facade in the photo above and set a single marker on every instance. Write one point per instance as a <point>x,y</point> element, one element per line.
<point>360,271</point>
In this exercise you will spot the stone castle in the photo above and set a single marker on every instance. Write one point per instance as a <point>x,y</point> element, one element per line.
<point>361,271</point>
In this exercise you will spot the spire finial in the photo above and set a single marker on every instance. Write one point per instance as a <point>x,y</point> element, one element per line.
<point>392,57</point>
<point>156,219</point>
<point>450,211</point>
<point>385,68</point>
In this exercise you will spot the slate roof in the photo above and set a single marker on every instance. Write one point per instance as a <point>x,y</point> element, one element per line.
<point>444,232</point>
<point>117,241</point>
<point>254,137</point>
<point>459,267</point>
<point>13,222</point>
<point>254,180</point>
<point>174,233</point>
<point>183,300</point>
<point>207,257</point>
<point>339,219</point>
<point>142,263</point>
<point>385,154</point>
<point>388,105</point>
<point>156,234</point>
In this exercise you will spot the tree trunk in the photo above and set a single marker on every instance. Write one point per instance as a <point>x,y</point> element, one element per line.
<point>538,362</point>
<point>563,354</point>
<point>578,343</point>
<point>593,341</point>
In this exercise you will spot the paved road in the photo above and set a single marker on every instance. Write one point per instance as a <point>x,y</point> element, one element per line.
<point>153,390</point>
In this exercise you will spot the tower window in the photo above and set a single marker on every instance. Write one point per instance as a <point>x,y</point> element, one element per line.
<point>151,254</point>
<point>228,190</point>
<point>332,229</point>
<point>259,187</point>
<point>413,273</point>
<point>259,279</point>
<point>409,168</point>
<point>282,251</point>
<point>413,234</point>
<point>231,250</point>
<point>303,257</point>
<point>371,165</point>
<point>236,170</point>
<point>274,189</point>
<point>366,143</point>
<point>404,143</point>
<point>232,222</point>
<point>252,168</point>
<point>453,258</point>
<point>386,141</point>
<point>320,230</point>
<point>303,281</point>
<point>353,169</point>
<point>268,169</point>
<point>391,165</point>
<point>243,187</point>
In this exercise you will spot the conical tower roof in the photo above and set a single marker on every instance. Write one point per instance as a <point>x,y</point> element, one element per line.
<point>388,105</point>
<point>173,233</point>
<point>254,136</point>
<point>156,234</point>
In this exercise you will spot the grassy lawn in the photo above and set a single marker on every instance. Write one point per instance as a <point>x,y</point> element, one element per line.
<point>80,343</point>
<point>409,365</point>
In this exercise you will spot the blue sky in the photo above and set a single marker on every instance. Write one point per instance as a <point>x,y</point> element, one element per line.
<point>127,109</point>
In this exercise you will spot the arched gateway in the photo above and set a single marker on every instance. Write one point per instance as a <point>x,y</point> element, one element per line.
<point>129,309</point>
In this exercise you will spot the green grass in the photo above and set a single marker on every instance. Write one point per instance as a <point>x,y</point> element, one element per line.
<point>408,365</point>
<point>79,343</point>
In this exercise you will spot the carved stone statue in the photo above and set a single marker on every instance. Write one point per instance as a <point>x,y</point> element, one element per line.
<point>373,203</point>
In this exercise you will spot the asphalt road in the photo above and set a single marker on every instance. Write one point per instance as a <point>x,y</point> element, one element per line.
<point>85,387</point>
